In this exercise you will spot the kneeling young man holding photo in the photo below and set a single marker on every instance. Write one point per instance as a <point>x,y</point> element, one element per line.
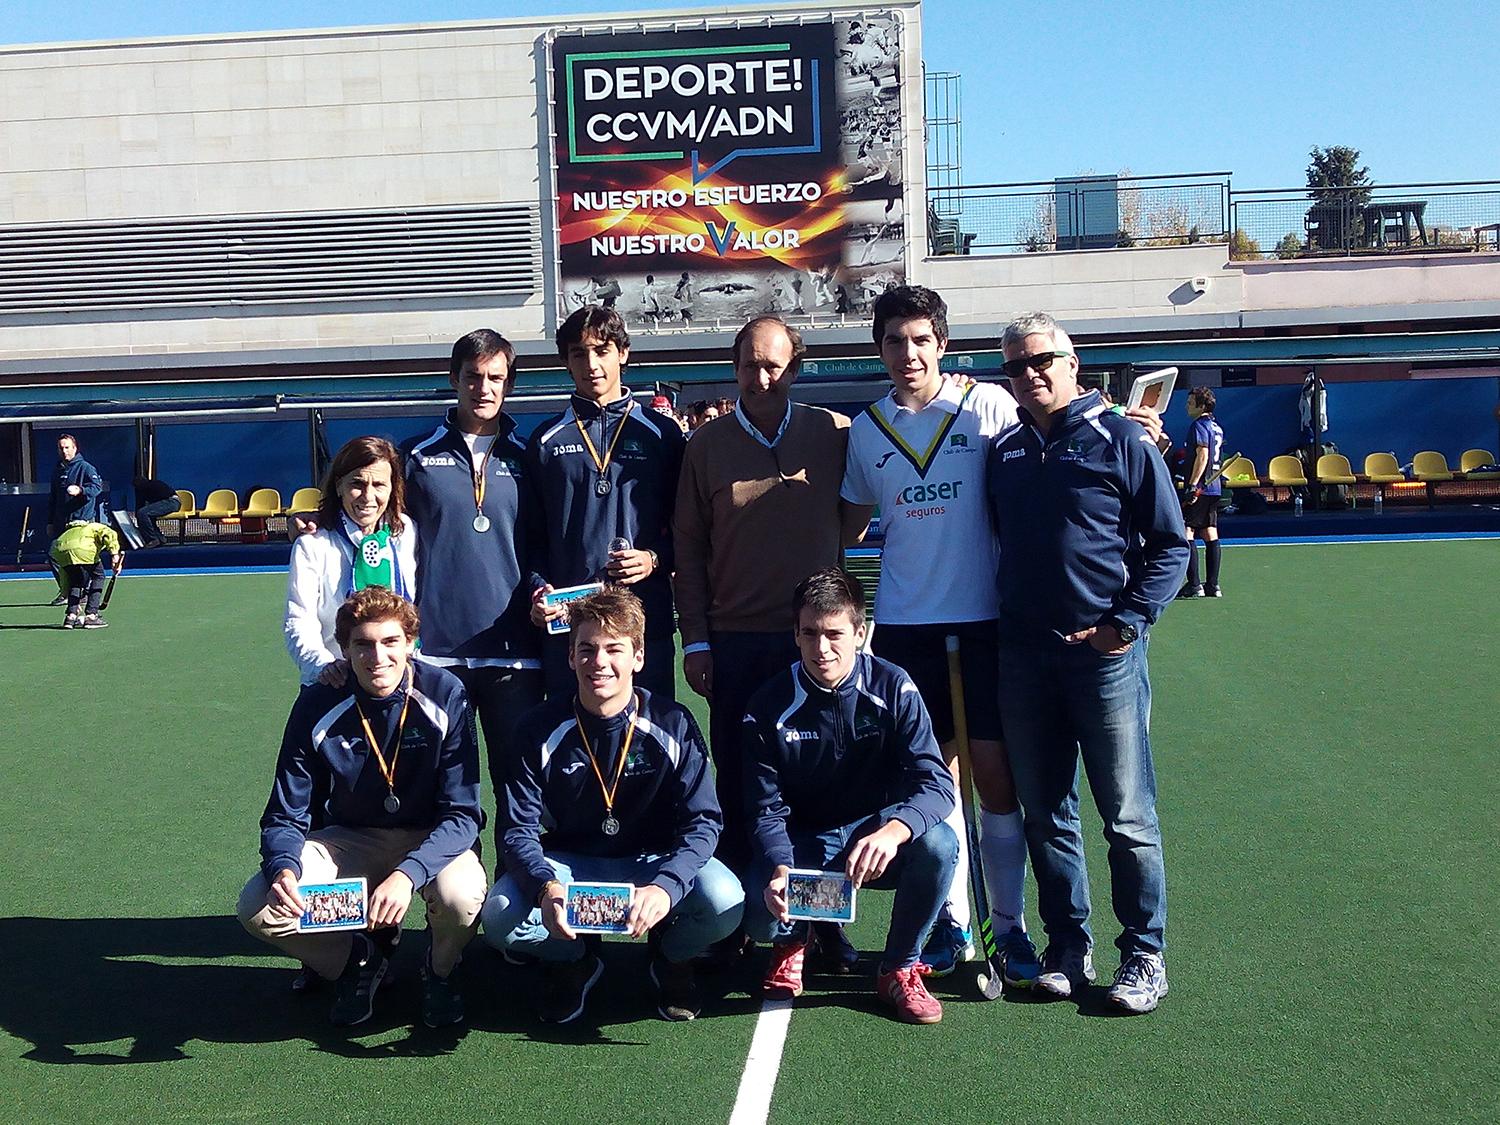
<point>843,772</point>
<point>391,762</point>
<point>620,780</point>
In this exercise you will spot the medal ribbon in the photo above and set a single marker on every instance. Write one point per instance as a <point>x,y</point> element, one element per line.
<point>603,465</point>
<point>387,771</point>
<point>479,478</point>
<point>607,793</point>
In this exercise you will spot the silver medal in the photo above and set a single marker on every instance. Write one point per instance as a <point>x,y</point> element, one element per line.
<point>481,523</point>
<point>611,826</point>
<point>601,486</point>
<point>392,803</point>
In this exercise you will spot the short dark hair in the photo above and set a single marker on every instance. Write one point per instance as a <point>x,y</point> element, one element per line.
<point>607,324</point>
<point>905,302</point>
<point>374,603</point>
<point>67,437</point>
<point>615,610</point>
<point>1204,397</point>
<point>799,349</point>
<point>829,592</point>
<point>355,454</point>
<point>478,346</point>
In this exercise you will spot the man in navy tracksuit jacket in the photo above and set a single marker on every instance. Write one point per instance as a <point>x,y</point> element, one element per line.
<point>474,586</point>
<point>1091,549</point>
<point>391,755</point>
<point>843,771</point>
<point>76,488</point>
<point>606,471</point>
<point>611,784</point>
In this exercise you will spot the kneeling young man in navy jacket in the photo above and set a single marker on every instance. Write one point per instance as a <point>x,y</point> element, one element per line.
<point>611,785</point>
<point>843,772</point>
<point>391,763</point>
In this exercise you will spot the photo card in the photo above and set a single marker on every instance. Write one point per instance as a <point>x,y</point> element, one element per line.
<point>598,908</point>
<point>562,597</point>
<point>340,905</point>
<point>1153,390</point>
<point>820,896</point>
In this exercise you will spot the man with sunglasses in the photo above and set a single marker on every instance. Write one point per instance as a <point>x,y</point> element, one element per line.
<point>1092,548</point>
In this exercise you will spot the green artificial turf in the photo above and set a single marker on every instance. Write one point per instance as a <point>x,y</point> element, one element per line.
<point>1324,740</point>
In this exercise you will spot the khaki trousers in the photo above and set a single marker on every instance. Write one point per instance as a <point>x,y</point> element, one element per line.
<point>453,899</point>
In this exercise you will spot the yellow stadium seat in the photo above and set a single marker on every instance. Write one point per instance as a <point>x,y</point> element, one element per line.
<point>1429,466</point>
<point>1240,473</point>
<point>1286,471</point>
<point>263,504</point>
<point>221,504</point>
<point>188,507</point>
<point>1475,459</point>
<point>305,500</point>
<point>1333,468</point>
<point>1383,468</point>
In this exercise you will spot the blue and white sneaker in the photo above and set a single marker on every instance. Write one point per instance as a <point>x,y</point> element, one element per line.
<point>1019,967</point>
<point>1065,969</point>
<point>1140,983</point>
<point>947,945</point>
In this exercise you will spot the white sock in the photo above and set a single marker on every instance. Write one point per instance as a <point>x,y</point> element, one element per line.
<point>958,894</point>
<point>1002,845</point>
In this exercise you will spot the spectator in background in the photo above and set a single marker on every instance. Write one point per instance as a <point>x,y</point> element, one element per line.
<point>76,488</point>
<point>79,554</point>
<point>1201,493</point>
<point>364,538</point>
<point>153,499</point>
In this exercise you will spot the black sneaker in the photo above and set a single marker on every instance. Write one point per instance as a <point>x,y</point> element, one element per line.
<point>442,1006</point>
<point>94,621</point>
<point>677,996</point>
<point>1212,592</point>
<point>355,999</point>
<point>61,599</point>
<point>835,953</point>
<point>567,987</point>
<point>1190,592</point>
<point>306,981</point>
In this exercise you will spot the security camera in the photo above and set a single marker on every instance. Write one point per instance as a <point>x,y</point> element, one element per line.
<point>1199,284</point>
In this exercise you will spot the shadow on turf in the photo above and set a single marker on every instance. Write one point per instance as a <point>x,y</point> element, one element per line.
<point>70,985</point>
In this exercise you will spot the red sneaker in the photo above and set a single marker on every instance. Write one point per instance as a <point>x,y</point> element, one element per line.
<point>904,990</point>
<point>784,974</point>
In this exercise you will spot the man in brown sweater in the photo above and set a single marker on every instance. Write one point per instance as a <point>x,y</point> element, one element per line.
<point>758,510</point>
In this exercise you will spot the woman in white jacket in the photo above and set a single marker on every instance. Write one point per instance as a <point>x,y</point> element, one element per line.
<point>364,538</point>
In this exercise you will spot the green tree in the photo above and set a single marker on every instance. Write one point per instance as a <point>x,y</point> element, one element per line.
<point>1335,173</point>
<point>1243,248</point>
<point>1290,246</point>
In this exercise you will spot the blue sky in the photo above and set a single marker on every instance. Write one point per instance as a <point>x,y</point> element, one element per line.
<point>1067,87</point>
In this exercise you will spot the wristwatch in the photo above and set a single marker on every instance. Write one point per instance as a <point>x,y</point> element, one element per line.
<point>1128,633</point>
<point>655,561</point>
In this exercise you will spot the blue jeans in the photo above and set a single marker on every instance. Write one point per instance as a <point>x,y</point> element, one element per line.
<point>921,874</point>
<point>1058,700</point>
<point>709,912</point>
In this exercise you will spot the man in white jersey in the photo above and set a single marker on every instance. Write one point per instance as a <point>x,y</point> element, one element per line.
<point>919,453</point>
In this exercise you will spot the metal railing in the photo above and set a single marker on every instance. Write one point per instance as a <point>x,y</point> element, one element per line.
<point>1081,213</point>
<point>1367,219</point>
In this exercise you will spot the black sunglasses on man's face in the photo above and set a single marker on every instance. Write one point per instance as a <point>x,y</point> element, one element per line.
<point>1017,368</point>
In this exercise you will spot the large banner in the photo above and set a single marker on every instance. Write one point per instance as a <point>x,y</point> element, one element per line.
<point>716,175</point>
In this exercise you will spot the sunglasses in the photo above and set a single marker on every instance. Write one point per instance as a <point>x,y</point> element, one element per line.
<point>1017,368</point>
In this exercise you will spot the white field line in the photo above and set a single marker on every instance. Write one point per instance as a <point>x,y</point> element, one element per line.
<point>752,1105</point>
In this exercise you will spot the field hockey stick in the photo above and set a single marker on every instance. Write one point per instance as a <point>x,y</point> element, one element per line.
<point>988,979</point>
<point>25,523</point>
<point>109,591</point>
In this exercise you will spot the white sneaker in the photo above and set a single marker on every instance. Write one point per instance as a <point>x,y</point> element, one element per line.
<point>1140,983</point>
<point>1065,969</point>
